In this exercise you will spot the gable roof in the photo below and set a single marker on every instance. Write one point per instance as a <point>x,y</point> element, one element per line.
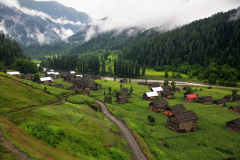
<point>236,121</point>
<point>46,79</point>
<point>72,72</point>
<point>151,94</point>
<point>207,98</point>
<point>13,73</point>
<point>86,91</point>
<point>168,93</point>
<point>160,104</point>
<point>166,87</point>
<point>27,75</point>
<point>182,117</point>
<point>157,89</point>
<point>177,108</point>
<point>235,108</point>
<point>220,101</point>
<point>189,96</point>
<point>79,76</point>
<point>177,89</point>
<point>122,96</point>
<point>228,96</point>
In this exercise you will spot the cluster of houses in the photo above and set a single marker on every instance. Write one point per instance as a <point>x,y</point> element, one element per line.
<point>122,96</point>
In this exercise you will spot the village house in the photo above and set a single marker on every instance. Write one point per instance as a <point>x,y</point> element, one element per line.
<point>157,89</point>
<point>166,88</point>
<point>235,109</point>
<point>122,99</point>
<point>190,98</point>
<point>158,106</point>
<point>27,76</point>
<point>228,98</point>
<point>51,70</point>
<point>51,75</point>
<point>87,92</point>
<point>46,80</point>
<point>96,77</point>
<point>183,122</point>
<point>73,80</point>
<point>220,102</point>
<point>185,88</point>
<point>79,76</point>
<point>123,81</point>
<point>99,86</point>
<point>177,90</point>
<point>206,100</point>
<point>167,95</point>
<point>15,74</point>
<point>150,96</point>
<point>72,72</point>
<point>170,111</point>
<point>85,87</point>
<point>234,125</point>
<point>78,83</point>
<point>141,83</point>
<point>151,85</point>
<point>73,88</point>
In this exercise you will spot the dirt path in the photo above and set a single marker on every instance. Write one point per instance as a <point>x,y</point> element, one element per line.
<point>8,144</point>
<point>125,132</point>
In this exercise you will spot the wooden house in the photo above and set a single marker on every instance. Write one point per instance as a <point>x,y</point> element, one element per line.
<point>206,100</point>
<point>220,102</point>
<point>46,80</point>
<point>91,82</point>
<point>96,77</point>
<point>166,88</point>
<point>185,88</point>
<point>73,88</point>
<point>99,86</point>
<point>190,98</point>
<point>158,106</point>
<point>123,81</point>
<point>159,90</point>
<point>72,72</point>
<point>27,76</point>
<point>183,122</point>
<point>151,85</point>
<point>77,83</point>
<point>234,125</point>
<point>170,111</point>
<point>15,74</point>
<point>122,99</point>
<point>51,75</point>
<point>141,83</point>
<point>150,96</point>
<point>167,95</point>
<point>235,109</point>
<point>87,92</point>
<point>228,98</point>
<point>177,90</point>
<point>68,79</point>
<point>85,87</point>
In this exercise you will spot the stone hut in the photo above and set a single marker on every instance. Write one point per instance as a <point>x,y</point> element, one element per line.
<point>177,90</point>
<point>27,76</point>
<point>206,100</point>
<point>122,99</point>
<point>228,98</point>
<point>234,125</point>
<point>158,106</point>
<point>220,102</point>
<point>190,98</point>
<point>159,90</point>
<point>183,122</point>
<point>123,81</point>
<point>151,85</point>
<point>170,111</point>
<point>166,88</point>
<point>235,109</point>
<point>167,95</point>
<point>150,96</point>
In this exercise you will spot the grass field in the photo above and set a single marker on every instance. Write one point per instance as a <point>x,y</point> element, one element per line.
<point>60,81</point>
<point>15,96</point>
<point>36,62</point>
<point>87,134</point>
<point>6,153</point>
<point>211,141</point>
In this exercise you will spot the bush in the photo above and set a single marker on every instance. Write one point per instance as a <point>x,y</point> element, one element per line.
<point>200,89</point>
<point>151,118</point>
<point>117,155</point>
<point>210,87</point>
<point>195,90</point>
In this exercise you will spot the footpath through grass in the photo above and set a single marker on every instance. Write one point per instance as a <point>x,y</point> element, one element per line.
<point>211,141</point>
<point>6,153</point>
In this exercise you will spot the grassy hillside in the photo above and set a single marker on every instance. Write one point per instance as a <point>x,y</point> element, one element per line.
<point>211,141</point>
<point>15,96</point>
<point>6,153</point>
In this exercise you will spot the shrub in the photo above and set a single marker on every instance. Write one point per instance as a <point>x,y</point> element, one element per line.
<point>117,155</point>
<point>210,87</point>
<point>45,89</point>
<point>151,118</point>
<point>195,90</point>
<point>200,89</point>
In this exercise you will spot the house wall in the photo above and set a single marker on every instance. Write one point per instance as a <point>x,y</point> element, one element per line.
<point>177,91</point>
<point>169,96</point>
<point>145,97</point>
<point>188,125</point>
<point>208,102</point>
<point>153,98</point>
<point>168,113</point>
<point>222,105</point>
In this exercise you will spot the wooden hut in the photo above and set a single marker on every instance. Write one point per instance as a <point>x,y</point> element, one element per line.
<point>151,85</point>
<point>15,74</point>
<point>87,92</point>
<point>150,96</point>
<point>190,98</point>
<point>159,90</point>
<point>51,75</point>
<point>220,102</point>
<point>167,95</point>
<point>177,90</point>
<point>235,109</point>
<point>234,125</point>
<point>122,99</point>
<point>27,76</point>
<point>99,86</point>
<point>123,81</point>
<point>46,80</point>
<point>170,111</point>
<point>183,122</point>
<point>166,88</point>
<point>96,77</point>
<point>206,100</point>
<point>141,83</point>
<point>158,106</point>
<point>73,88</point>
<point>228,98</point>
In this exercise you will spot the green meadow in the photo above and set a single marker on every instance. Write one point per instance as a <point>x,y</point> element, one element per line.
<point>211,141</point>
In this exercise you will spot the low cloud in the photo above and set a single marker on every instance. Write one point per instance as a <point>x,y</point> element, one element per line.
<point>2,27</point>
<point>63,33</point>
<point>235,16</point>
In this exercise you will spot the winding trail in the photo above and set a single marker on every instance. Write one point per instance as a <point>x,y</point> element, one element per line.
<point>125,132</point>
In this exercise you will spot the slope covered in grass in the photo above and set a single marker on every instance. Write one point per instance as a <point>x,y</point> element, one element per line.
<point>15,96</point>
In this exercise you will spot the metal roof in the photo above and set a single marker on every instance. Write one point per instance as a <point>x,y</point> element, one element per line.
<point>192,96</point>
<point>46,79</point>
<point>72,72</point>
<point>79,76</point>
<point>13,73</point>
<point>151,94</point>
<point>157,89</point>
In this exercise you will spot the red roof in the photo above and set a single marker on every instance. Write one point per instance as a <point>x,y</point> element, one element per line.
<point>189,96</point>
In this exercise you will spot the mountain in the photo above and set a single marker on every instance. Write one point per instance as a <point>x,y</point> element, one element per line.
<point>43,22</point>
